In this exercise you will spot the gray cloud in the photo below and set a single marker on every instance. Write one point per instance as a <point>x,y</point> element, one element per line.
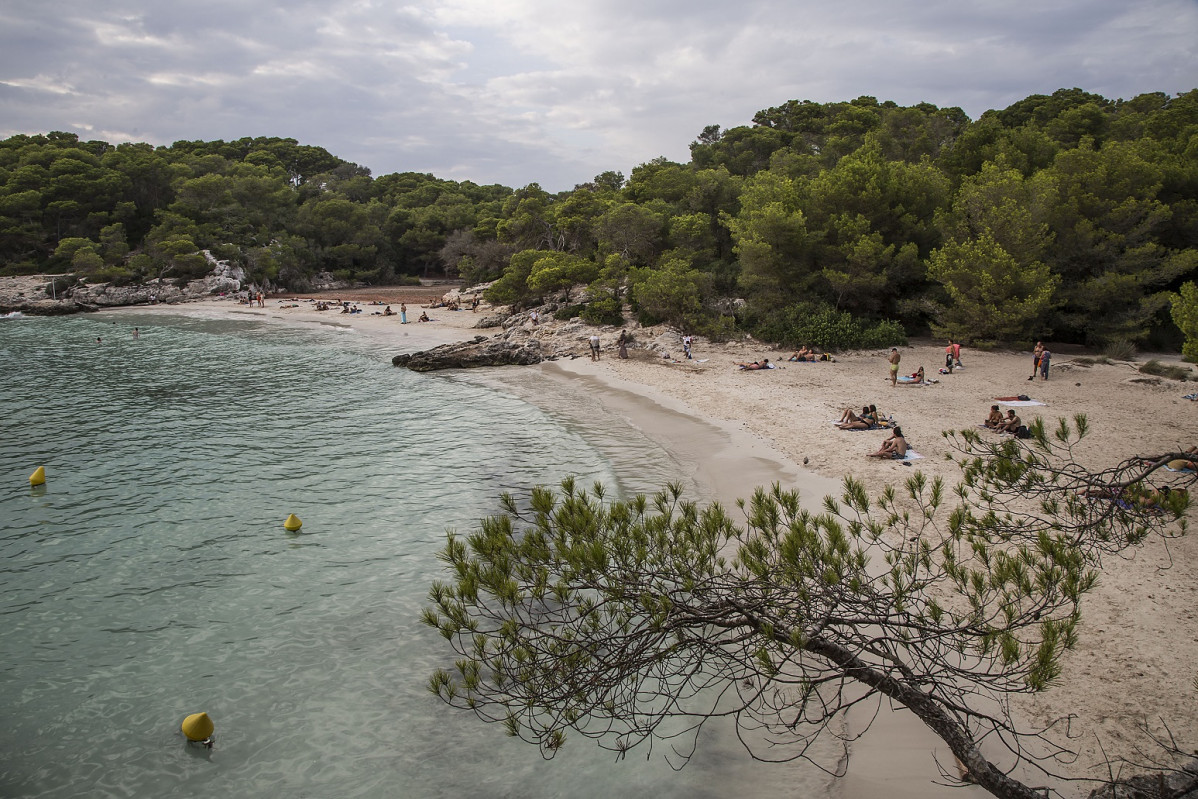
<point>534,90</point>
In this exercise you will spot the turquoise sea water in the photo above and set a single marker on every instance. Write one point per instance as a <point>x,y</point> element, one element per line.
<point>151,577</point>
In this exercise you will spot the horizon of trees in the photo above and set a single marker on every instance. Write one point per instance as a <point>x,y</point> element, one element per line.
<point>837,224</point>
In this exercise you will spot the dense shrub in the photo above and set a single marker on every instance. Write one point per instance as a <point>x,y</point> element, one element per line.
<point>116,275</point>
<point>824,327</point>
<point>1120,350</point>
<point>1166,370</point>
<point>603,311</point>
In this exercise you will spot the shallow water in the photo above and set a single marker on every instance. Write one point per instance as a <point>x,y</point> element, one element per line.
<point>151,577</point>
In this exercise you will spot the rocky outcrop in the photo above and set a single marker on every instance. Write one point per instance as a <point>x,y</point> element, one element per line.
<point>481,351</point>
<point>1179,784</point>
<point>37,296</point>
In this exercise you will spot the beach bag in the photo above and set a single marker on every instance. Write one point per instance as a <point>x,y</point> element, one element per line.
<point>1022,432</point>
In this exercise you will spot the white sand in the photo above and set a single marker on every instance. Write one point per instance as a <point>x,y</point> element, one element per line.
<point>1139,637</point>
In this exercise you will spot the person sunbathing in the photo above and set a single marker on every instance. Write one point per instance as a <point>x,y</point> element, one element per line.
<point>914,379</point>
<point>894,447</point>
<point>849,416</point>
<point>862,422</point>
<point>802,354</point>
<point>764,364</point>
<point>868,419</point>
<point>994,419</point>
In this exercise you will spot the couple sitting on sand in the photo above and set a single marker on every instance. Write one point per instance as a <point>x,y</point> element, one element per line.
<point>868,420</point>
<point>894,447</point>
<point>755,365</point>
<point>805,353</point>
<point>1000,424</point>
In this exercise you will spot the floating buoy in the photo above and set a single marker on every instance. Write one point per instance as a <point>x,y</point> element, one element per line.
<point>292,524</point>
<point>198,727</point>
<point>38,477</point>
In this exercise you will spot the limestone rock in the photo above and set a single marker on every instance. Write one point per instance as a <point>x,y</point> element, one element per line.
<point>1180,784</point>
<point>481,351</point>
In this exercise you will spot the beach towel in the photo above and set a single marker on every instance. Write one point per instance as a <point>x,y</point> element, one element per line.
<point>1020,403</point>
<point>911,455</point>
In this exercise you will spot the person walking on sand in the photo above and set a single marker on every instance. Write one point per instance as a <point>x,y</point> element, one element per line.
<point>893,360</point>
<point>403,313</point>
<point>594,346</point>
<point>686,346</point>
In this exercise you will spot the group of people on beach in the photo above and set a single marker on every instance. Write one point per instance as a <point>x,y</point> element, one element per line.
<point>895,447</point>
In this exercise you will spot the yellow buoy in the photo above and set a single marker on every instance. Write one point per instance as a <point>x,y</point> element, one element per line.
<point>38,477</point>
<point>198,727</point>
<point>293,523</point>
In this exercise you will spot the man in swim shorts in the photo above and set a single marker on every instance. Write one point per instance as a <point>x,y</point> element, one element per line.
<point>894,365</point>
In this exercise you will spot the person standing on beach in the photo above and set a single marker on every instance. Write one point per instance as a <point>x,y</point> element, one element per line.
<point>686,346</point>
<point>1045,360</point>
<point>894,364</point>
<point>403,313</point>
<point>594,346</point>
<point>622,341</point>
<point>1036,359</point>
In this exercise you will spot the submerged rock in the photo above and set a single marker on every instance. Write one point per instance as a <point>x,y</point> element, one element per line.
<point>481,351</point>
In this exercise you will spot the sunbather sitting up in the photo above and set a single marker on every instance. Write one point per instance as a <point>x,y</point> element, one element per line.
<point>894,447</point>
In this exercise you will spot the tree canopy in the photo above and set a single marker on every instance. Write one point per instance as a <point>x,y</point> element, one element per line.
<point>633,621</point>
<point>1085,208</point>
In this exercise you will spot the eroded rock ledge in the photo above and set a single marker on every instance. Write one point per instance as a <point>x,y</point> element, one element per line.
<point>481,351</point>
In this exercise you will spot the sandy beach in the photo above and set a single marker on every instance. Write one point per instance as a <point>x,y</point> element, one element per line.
<point>738,429</point>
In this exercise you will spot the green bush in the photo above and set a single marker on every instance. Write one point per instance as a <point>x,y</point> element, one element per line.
<point>717,327</point>
<point>824,327</point>
<point>604,311</point>
<point>20,268</point>
<point>1159,369</point>
<point>570,311</point>
<point>1120,350</point>
<point>116,275</point>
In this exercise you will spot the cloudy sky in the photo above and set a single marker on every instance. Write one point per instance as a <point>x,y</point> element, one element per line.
<point>549,91</point>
